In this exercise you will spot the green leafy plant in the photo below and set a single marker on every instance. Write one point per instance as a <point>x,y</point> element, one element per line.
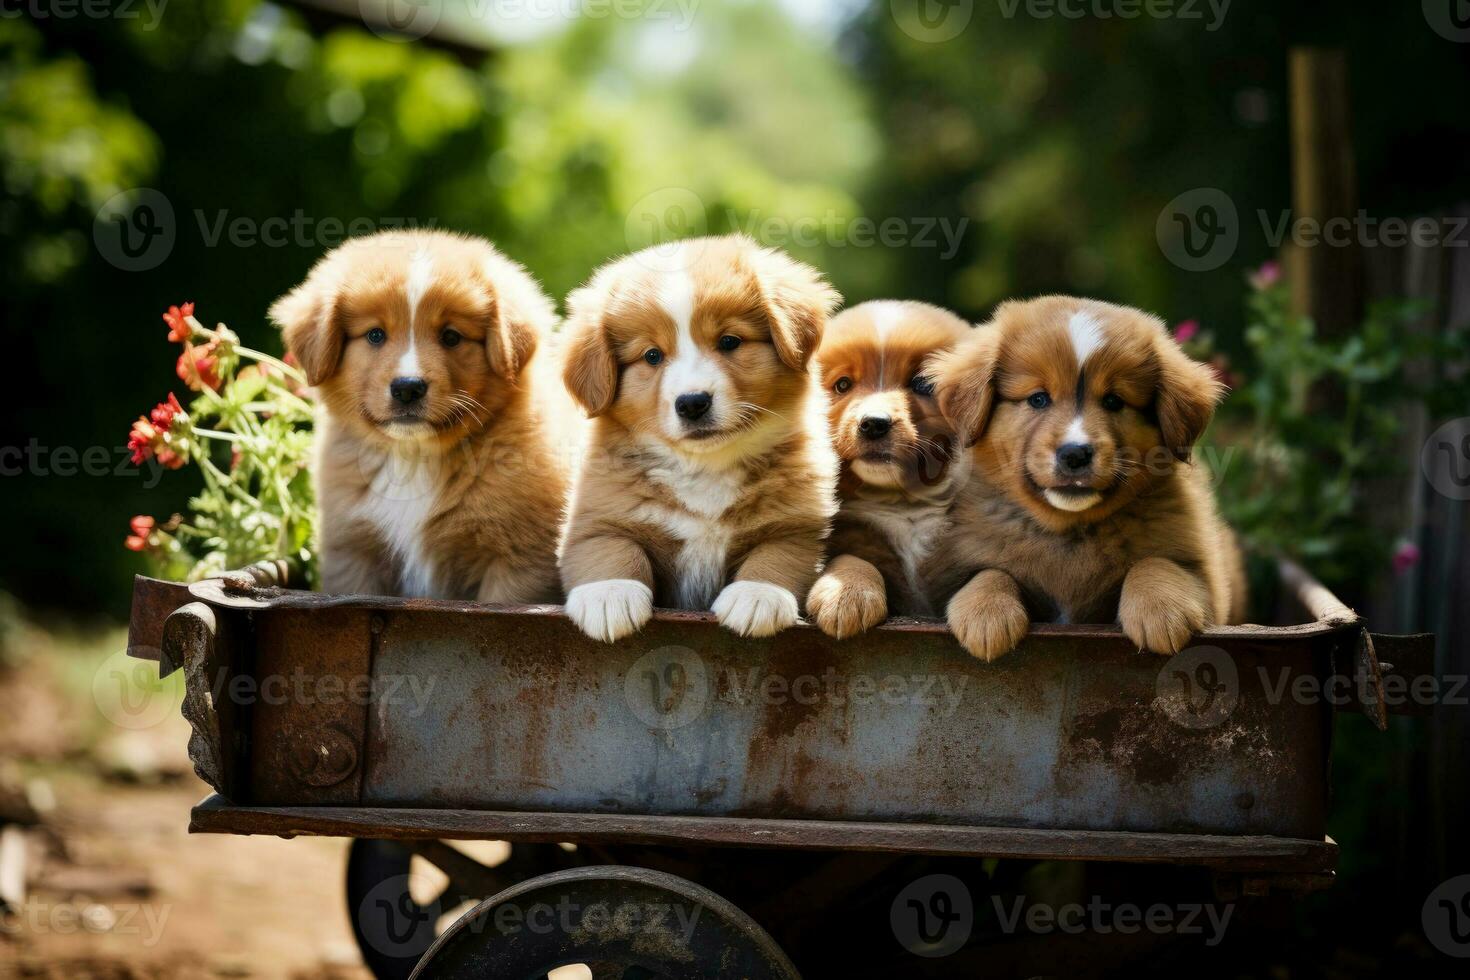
<point>1301,440</point>
<point>247,432</point>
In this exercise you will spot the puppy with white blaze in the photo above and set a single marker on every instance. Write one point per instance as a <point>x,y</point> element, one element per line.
<point>436,471</point>
<point>708,481</point>
<point>1084,504</point>
<point>901,465</point>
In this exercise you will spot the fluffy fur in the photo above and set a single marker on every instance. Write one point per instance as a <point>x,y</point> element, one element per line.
<point>726,510</point>
<point>900,466</point>
<point>1132,535</point>
<point>457,493</point>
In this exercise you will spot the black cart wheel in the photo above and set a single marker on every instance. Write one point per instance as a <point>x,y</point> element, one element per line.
<point>392,929</point>
<point>621,923</point>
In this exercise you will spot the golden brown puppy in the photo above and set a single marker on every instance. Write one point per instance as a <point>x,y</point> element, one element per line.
<point>435,471</point>
<point>708,481</point>
<point>1083,505</point>
<point>900,465</point>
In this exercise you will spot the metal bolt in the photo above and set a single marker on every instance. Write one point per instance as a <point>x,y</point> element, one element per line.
<point>323,757</point>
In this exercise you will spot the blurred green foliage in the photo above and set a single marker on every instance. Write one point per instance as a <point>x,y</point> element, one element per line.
<point>1297,484</point>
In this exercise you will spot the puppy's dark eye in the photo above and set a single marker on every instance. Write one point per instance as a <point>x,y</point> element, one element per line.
<point>921,385</point>
<point>1039,400</point>
<point>1112,402</point>
<point>450,337</point>
<point>728,342</point>
<point>843,385</point>
<point>653,355</point>
<point>376,336</point>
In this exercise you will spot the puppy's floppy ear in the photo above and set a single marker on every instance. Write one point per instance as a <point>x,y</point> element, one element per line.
<point>1187,395</point>
<point>590,369</point>
<point>798,301</point>
<point>523,315</point>
<point>964,381</point>
<point>307,317</point>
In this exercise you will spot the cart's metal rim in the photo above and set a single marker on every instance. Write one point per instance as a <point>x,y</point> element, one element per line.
<point>1246,853</point>
<point>725,911</point>
<point>216,593</point>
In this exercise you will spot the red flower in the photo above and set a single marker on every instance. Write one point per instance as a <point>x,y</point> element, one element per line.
<point>198,367</point>
<point>149,436</point>
<point>164,412</point>
<point>1186,331</point>
<point>142,527</point>
<point>177,320</point>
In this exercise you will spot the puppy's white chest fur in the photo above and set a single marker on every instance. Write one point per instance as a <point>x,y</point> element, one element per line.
<point>398,503</point>
<point>701,497</point>
<point>910,529</point>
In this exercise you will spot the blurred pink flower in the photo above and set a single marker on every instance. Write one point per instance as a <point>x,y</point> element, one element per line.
<point>1405,557</point>
<point>1268,275</point>
<point>1220,364</point>
<point>1186,331</point>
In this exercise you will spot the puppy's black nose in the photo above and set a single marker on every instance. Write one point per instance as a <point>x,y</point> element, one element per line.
<point>874,427</point>
<point>408,390</point>
<point>1074,457</point>
<point>693,405</point>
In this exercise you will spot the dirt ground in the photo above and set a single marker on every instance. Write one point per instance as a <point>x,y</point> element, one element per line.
<point>164,905</point>
<point>95,791</point>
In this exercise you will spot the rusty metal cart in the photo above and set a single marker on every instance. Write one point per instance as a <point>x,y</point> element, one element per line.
<point>684,764</point>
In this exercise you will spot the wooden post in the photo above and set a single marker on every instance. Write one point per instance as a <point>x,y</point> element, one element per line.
<point>1326,277</point>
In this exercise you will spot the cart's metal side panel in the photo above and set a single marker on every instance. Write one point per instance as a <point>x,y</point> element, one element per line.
<point>310,692</point>
<point>507,712</point>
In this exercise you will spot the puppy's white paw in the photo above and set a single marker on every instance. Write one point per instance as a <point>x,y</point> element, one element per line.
<point>755,608</point>
<point>610,610</point>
